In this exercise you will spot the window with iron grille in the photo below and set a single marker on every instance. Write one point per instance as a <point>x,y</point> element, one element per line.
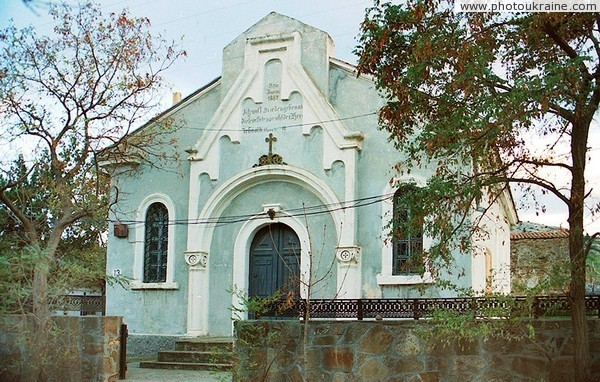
<point>407,237</point>
<point>156,243</point>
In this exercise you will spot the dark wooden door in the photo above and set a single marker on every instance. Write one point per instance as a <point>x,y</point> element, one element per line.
<point>274,261</point>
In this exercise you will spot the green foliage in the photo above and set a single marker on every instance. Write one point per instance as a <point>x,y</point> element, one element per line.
<point>494,316</point>
<point>554,280</point>
<point>448,326</point>
<point>484,100</point>
<point>79,261</point>
<point>256,337</point>
<point>16,278</point>
<point>593,262</point>
<point>67,97</point>
<point>256,307</point>
<point>81,269</point>
<point>465,91</point>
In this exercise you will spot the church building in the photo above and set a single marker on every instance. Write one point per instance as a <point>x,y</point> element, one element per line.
<point>283,184</point>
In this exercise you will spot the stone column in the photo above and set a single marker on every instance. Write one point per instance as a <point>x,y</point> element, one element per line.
<point>349,275</point>
<point>197,319</point>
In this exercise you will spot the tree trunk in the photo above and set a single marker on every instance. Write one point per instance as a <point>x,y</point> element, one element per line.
<point>578,312</point>
<point>39,338</point>
<point>578,256</point>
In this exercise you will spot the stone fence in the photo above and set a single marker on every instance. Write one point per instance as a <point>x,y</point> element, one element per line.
<point>393,351</point>
<point>79,348</point>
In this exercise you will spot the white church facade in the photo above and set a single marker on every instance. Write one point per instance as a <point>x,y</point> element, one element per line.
<point>284,183</point>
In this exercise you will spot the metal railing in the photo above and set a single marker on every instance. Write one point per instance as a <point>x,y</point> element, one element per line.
<point>84,304</point>
<point>416,308</point>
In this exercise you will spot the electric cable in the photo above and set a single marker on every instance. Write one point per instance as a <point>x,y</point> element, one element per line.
<point>293,212</point>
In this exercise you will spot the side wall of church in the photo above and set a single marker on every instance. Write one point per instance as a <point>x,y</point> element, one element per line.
<point>155,310</point>
<point>375,170</point>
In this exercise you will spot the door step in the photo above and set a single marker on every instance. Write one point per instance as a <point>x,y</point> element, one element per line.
<point>198,353</point>
<point>186,366</point>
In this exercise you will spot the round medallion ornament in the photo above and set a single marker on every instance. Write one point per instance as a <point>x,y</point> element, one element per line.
<point>196,258</point>
<point>345,255</point>
<point>193,259</point>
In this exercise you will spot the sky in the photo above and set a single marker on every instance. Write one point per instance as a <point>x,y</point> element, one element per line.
<point>206,27</point>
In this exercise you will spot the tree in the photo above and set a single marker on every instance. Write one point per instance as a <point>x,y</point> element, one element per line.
<point>80,260</point>
<point>65,98</point>
<point>510,96</point>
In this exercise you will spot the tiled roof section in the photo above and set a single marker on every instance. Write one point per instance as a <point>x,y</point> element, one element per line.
<point>556,234</point>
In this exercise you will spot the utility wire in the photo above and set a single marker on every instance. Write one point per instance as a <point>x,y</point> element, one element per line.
<point>313,123</point>
<point>293,212</point>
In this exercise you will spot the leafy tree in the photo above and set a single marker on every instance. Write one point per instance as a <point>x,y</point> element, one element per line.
<point>64,98</point>
<point>79,260</point>
<point>511,97</point>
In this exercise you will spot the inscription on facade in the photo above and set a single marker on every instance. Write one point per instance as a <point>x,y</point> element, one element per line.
<point>272,115</point>
<point>273,91</point>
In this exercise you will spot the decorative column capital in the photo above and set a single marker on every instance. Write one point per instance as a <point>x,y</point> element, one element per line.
<point>196,259</point>
<point>347,254</point>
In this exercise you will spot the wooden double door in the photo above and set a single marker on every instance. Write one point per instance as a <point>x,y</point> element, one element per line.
<point>274,261</point>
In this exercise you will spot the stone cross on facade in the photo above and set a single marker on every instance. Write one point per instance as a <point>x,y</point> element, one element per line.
<point>270,140</point>
<point>270,158</point>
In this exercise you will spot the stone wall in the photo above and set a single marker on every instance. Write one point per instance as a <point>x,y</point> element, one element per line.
<point>392,351</point>
<point>538,257</point>
<point>79,349</point>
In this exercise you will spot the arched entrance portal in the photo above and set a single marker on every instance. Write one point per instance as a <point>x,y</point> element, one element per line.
<point>274,261</point>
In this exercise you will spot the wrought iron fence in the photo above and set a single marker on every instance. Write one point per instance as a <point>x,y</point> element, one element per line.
<point>416,308</point>
<point>84,304</point>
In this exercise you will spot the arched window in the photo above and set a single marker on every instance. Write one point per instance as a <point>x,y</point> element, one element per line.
<point>407,237</point>
<point>156,233</point>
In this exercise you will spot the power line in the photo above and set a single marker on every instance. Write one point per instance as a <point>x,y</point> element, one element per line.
<point>283,127</point>
<point>314,210</point>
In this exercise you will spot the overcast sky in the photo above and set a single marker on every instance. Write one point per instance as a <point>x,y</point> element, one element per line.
<point>207,26</point>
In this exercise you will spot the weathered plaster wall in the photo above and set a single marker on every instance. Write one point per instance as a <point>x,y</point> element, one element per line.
<point>535,260</point>
<point>493,240</point>
<point>139,306</point>
<point>392,351</point>
<point>325,143</point>
<point>84,349</point>
<point>317,47</point>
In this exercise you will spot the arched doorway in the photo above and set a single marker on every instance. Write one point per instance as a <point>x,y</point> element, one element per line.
<point>274,261</point>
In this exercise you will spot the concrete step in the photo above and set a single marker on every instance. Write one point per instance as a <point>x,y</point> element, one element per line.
<point>195,353</point>
<point>185,365</point>
<point>206,344</point>
<point>217,356</point>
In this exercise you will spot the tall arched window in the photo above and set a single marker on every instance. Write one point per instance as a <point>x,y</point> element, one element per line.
<point>156,242</point>
<point>407,237</point>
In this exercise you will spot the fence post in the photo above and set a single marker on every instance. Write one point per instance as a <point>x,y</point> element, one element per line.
<point>305,307</point>
<point>123,352</point>
<point>359,309</point>
<point>536,307</point>
<point>415,308</point>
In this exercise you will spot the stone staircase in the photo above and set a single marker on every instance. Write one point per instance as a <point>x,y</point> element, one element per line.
<point>200,353</point>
